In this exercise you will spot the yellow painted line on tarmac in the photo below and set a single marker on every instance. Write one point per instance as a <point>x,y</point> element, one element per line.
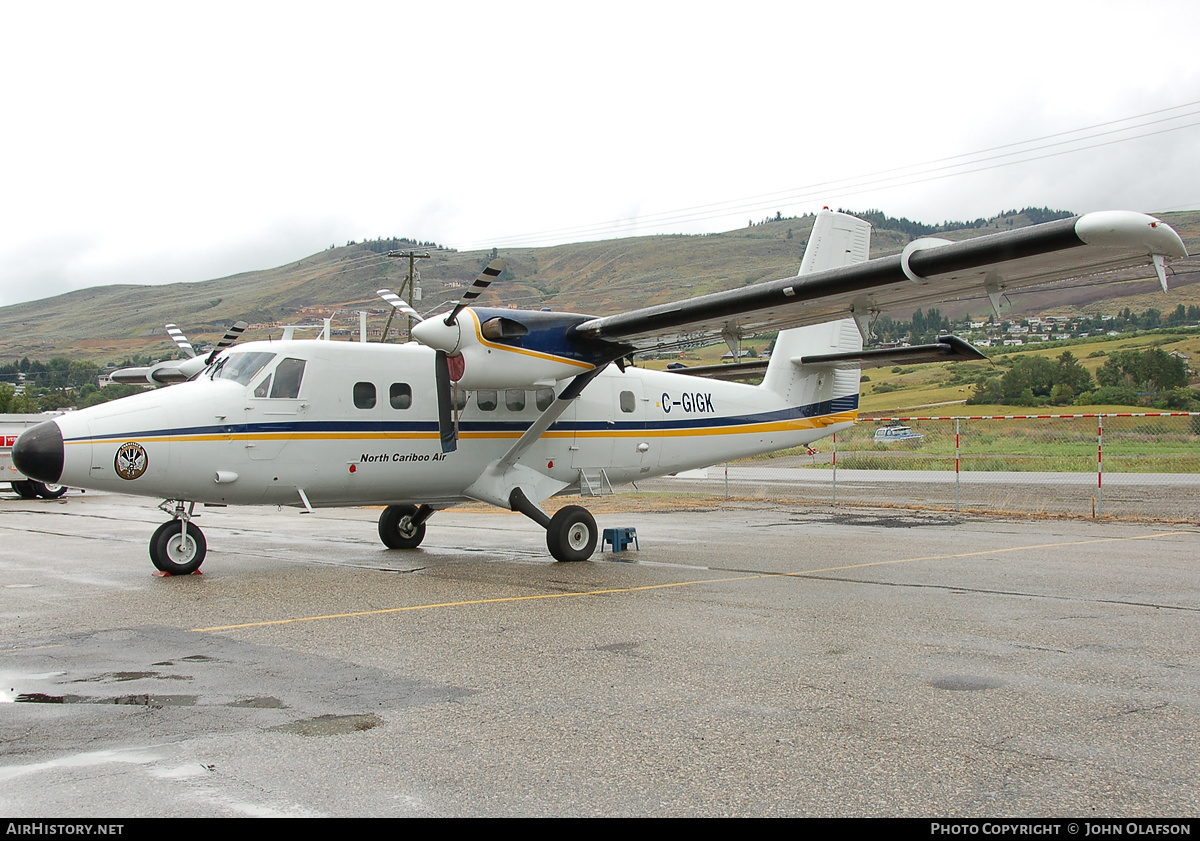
<point>643,588</point>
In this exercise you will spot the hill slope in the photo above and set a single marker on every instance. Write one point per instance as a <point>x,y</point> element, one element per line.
<point>607,276</point>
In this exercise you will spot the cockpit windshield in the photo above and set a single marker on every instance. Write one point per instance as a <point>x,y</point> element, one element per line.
<point>239,367</point>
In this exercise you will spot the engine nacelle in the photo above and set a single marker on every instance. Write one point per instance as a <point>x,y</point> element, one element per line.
<point>500,348</point>
<point>162,373</point>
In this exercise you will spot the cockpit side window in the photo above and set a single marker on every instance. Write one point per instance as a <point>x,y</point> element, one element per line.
<point>264,388</point>
<point>288,375</point>
<point>240,367</point>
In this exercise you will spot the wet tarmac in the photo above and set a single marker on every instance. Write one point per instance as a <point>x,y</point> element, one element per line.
<point>750,659</point>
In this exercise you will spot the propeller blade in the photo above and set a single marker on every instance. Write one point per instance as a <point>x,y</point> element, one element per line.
<point>231,336</point>
<point>181,340</point>
<point>445,398</point>
<point>399,303</point>
<point>477,288</point>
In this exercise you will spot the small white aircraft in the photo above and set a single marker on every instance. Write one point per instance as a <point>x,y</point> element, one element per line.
<point>177,370</point>
<point>512,407</point>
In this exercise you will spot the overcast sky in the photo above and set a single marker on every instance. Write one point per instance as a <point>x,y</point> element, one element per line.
<point>164,142</point>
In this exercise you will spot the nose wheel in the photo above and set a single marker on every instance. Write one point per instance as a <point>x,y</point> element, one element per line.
<point>178,546</point>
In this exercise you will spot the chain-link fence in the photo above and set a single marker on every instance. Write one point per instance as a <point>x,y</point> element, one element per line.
<point>1112,465</point>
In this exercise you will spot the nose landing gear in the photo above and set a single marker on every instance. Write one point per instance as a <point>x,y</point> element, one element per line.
<point>178,546</point>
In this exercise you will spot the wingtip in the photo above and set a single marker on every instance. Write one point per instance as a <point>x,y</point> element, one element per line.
<point>1128,229</point>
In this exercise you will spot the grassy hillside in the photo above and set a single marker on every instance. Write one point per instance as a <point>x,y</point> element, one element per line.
<point>113,322</point>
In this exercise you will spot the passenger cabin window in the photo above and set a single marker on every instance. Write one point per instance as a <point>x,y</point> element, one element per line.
<point>487,400</point>
<point>400,395</point>
<point>514,399</point>
<point>288,375</point>
<point>628,404</point>
<point>544,397</point>
<point>364,395</point>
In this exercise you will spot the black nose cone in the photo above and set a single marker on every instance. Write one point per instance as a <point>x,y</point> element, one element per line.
<point>38,453</point>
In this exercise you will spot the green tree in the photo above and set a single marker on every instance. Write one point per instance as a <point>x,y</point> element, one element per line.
<point>1151,371</point>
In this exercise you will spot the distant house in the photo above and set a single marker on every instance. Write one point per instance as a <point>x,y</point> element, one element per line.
<point>1187,361</point>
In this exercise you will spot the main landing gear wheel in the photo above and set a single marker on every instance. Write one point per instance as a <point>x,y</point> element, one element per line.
<point>175,555</point>
<point>398,529</point>
<point>571,535</point>
<point>49,491</point>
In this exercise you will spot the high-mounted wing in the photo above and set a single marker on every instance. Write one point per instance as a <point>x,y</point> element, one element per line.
<point>928,271</point>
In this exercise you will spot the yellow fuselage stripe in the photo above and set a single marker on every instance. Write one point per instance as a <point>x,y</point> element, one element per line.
<point>733,429</point>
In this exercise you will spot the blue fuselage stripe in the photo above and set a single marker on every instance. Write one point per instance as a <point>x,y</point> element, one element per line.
<point>317,427</point>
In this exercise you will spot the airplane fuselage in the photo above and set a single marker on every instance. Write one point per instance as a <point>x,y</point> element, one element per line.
<point>361,428</point>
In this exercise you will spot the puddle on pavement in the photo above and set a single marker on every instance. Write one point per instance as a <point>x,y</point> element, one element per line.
<point>156,701</point>
<point>331,725</point>
<point>265,703</point>
<point>963,683</point>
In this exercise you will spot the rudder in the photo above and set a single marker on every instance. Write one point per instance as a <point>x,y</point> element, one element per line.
<point>837,239</point>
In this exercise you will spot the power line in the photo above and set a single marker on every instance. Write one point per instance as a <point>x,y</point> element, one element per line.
<point>816,190</point>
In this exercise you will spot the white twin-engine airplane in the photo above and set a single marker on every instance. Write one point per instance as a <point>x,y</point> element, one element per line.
<point>511,407</point>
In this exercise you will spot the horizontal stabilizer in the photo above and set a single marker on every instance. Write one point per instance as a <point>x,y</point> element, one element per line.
<point>733,372</point>
<point>947,349</point>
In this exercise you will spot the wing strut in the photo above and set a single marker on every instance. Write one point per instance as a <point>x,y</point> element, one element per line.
<point>548,417</point>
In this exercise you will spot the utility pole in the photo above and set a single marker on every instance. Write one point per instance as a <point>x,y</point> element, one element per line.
<point>408,292</point>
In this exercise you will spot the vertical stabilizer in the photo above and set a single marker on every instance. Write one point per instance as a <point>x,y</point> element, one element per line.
<point>802,385</point>
<point>837,240</point>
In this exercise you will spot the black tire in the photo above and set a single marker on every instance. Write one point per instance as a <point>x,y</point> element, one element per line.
<point>571,535</point>
<point>170,556</point>
<point>25,489</point>
<point>49,491</point>
<point>397,530</point>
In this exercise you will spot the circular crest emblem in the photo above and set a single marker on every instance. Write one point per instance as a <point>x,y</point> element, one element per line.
<point>131,460</point>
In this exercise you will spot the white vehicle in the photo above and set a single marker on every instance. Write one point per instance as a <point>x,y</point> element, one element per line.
<point>897,434</point>
<point>11,427</point>
<point>511,407</point>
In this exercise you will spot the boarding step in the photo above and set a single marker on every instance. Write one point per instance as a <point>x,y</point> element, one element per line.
<point>594,482</point>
